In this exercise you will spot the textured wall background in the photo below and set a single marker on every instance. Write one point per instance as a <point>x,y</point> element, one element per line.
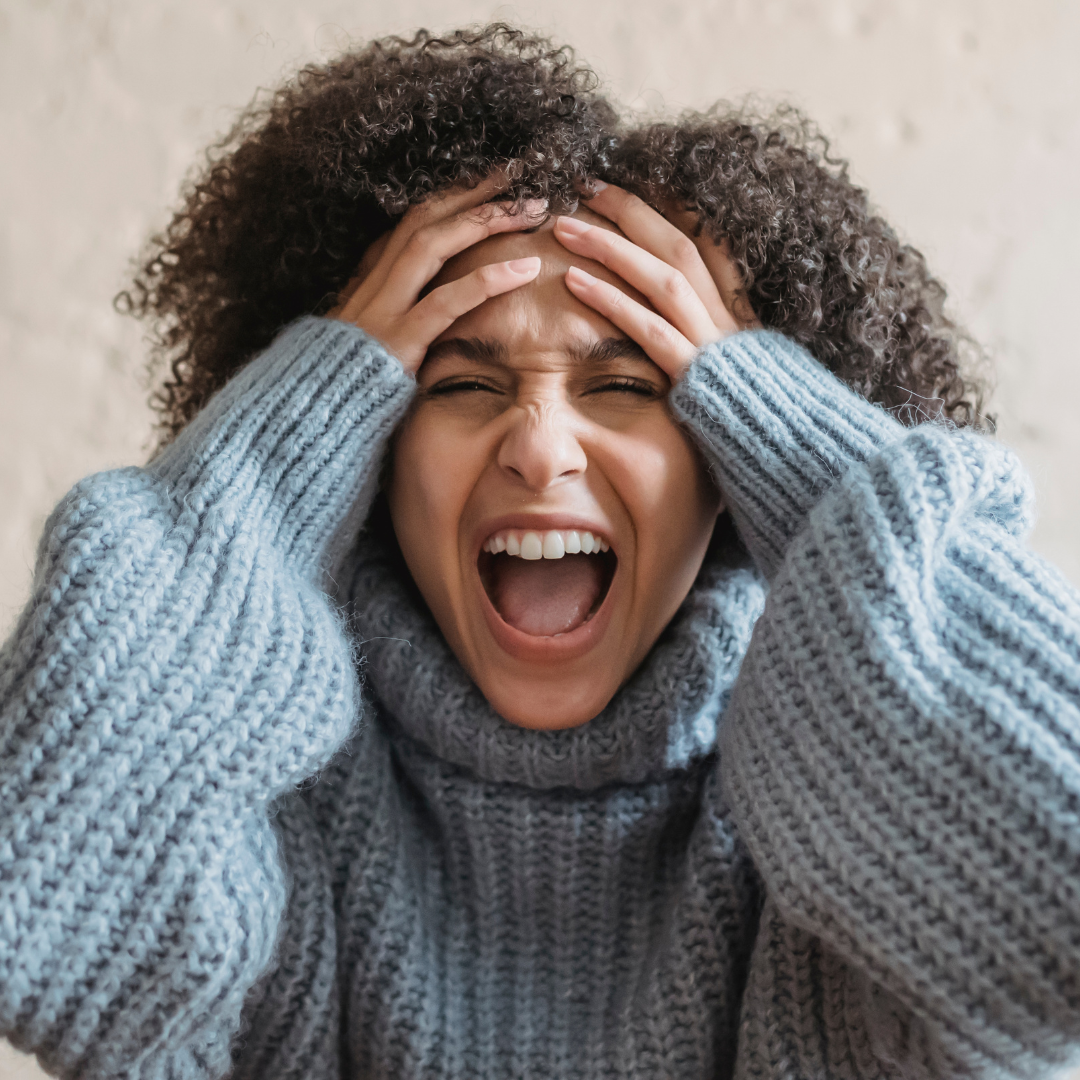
<point>962,118</point>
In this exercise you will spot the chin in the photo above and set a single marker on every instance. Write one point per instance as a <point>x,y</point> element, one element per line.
<point>542,627</point>
<point>553,704</point>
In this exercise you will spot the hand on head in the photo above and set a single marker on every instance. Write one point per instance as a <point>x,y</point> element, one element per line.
<point>690,281</point>
<point>385,298</point>
<point>552,512</point>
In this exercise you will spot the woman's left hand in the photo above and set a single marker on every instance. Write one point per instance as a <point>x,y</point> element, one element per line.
<point>694,302</point>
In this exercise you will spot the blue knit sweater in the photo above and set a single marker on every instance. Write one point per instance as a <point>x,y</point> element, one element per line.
<point>831,827</point>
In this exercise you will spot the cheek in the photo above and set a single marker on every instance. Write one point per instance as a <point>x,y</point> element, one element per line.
<point>665,486</point>
<point>431,478</point>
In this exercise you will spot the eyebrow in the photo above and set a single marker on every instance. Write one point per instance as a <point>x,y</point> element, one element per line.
<point>607,349</point>
<point>593,354</point>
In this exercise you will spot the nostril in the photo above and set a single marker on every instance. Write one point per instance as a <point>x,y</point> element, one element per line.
<point>541,447</point>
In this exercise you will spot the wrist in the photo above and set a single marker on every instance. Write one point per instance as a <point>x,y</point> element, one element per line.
<point>778,429</point>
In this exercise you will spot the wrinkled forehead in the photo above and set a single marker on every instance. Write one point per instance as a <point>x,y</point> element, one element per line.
<point>541,321</point>
<point>555,260</point>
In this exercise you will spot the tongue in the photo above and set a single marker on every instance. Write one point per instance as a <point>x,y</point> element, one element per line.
<point>545,597</point>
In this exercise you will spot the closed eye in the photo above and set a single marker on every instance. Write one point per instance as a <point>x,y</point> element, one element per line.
<point>626,385</point>
<point>452,386</point>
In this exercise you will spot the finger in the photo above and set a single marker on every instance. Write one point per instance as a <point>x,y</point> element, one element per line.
<point>648,229</point>
<point>717,257</point>
<point>664,344</point>
<point>446,304</point>
<point>393,285</point>
<point>437,207</point>
<point>429,248</point>
<point>450,202</point>
<point>665,286</point>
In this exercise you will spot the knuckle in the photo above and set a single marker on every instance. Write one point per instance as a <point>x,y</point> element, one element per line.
<point>660,332</point>
<point>676,286</point>
<point>421,215</point>
<point>439,303</point>
<point>484,214</point>
<point>684,250</point>
<point>488,277</point>
<point>616,244</point>
<point>442,305</point>
<point>418,242</point>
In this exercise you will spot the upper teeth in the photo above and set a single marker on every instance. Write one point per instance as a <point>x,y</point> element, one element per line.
<point>553,544</point>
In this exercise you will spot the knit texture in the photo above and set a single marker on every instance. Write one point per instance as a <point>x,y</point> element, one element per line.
<point>829,828</point>
<point>175,670</point>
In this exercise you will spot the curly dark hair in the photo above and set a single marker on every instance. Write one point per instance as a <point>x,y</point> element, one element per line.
<point>289,200</point>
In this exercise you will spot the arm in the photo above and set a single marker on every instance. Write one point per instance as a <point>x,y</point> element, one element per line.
<point>176,669</point>
<point>902,751</point>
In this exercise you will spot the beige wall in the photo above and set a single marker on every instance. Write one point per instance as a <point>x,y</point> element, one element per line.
<point>962,118</point>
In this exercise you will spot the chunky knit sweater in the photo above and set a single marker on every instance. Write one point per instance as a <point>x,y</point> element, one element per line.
<point>256,821</point>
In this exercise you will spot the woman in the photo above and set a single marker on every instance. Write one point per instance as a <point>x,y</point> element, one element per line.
<point>542,664</point>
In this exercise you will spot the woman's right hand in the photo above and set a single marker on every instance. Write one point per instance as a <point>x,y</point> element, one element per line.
<point>384,298</point>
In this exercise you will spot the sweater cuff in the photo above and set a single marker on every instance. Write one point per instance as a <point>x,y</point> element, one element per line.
<point>777,430</point>
<point>293,443</point>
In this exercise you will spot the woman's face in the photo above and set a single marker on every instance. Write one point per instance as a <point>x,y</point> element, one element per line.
<point>536,422</point>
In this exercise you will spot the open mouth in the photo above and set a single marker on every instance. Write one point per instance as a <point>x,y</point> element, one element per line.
<point>546,583</point>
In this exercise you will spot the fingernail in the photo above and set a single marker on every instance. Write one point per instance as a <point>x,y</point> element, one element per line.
<point>598,186</point>
<point>585,277</point>
<point>525,266</point>
<point>533,207</point>
<point>573,226</point>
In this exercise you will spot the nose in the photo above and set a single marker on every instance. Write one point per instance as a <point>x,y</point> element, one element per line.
<point>541,446</point>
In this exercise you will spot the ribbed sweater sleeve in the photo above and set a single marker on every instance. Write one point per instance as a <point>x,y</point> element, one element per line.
<point>902,749</point>
<point>176,669</point>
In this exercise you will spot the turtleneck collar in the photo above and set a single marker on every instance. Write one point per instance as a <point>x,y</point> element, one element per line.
<point>664,720</point>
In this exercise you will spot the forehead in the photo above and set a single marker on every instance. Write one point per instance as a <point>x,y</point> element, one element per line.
<point>517,245</point>
<point>545,308</point>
